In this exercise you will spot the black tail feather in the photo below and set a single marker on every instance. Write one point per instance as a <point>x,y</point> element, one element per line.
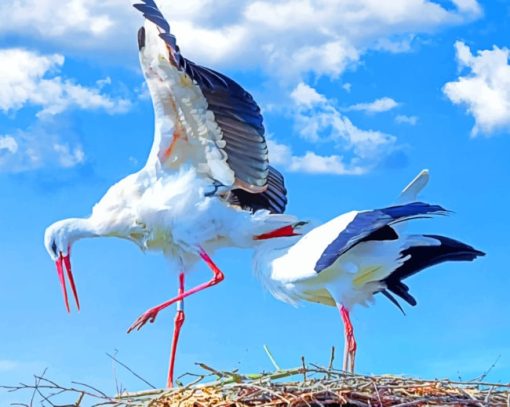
<point>422,257</point>
<point>390,297</point>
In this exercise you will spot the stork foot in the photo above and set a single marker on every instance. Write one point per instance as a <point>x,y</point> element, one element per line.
<point>148,316</point>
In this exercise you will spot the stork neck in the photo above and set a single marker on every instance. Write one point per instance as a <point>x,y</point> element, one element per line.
<point>80,228</point>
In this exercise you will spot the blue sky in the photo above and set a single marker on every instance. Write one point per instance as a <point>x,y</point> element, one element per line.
<point>358,97</point>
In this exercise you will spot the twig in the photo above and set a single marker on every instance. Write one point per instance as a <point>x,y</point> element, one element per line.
<point>139,394</point>
<point>88,386</point>
<point>130,371</point>
<point>486,373</point>
<point>118,388</point>
<point>378,394</point>
<point>331,360</point>
<point>304,368</point>
<point>412,403</point>
<point>488,397</point>
<point>80,399</point>
<point>210,369</point>
<point>275,394</point>
<point>271,358</point>
<point>37,381</point>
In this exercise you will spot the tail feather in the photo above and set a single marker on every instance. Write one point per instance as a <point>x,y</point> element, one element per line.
<point>422,257</point>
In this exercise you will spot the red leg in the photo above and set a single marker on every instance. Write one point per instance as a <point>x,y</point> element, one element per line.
<point>350,342</point>
<point>150,315</point>
<point>178,322</point>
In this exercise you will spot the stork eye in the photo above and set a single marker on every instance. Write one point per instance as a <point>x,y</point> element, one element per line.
<point>54,248</point>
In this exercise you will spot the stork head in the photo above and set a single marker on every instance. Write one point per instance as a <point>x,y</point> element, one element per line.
<point>58,240</point>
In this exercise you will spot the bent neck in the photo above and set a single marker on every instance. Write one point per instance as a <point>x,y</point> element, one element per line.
<point>79,228</point>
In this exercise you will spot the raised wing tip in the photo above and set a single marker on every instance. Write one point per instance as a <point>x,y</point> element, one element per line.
<point>152,13</point>
<point>146,2</point>
<point>412,190</point>
<point>423,173</point>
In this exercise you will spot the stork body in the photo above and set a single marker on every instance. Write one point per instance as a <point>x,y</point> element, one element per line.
<point>207,182</point>
<point>349,259</point>
<point>171,213</point>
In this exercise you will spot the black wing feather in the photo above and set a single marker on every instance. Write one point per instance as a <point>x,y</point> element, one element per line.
<point>366,223</point>
<point>274,199</point>
<point>236,112</point>
<point>422,257</point>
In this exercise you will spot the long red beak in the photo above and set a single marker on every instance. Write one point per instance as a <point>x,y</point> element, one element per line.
<point>65,261</point>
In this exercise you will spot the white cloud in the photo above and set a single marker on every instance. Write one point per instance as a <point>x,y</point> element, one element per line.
<point>8,365</point>
<point>306,96</point>
<point>404,119</point>
<point>377,106</point>
<point>47,144</point>
<point>395,45</point>
<point>485,89</point>
<point>9,144</point>
<point>317,120</point>
<point>468,6</point>
<point>310,162</point>
<point>28,78</point>
<point>81,21</point>
<point>280,37</point>
<point>69,156</point>
<point>287,38</point>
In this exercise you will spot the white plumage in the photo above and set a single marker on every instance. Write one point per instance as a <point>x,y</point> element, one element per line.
<point>346,261</point>
<point>201,188</point>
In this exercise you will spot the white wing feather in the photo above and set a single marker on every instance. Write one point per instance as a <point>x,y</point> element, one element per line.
<point>410,192</point>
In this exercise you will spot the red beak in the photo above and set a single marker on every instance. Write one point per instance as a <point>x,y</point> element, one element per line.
<point>60,263</point>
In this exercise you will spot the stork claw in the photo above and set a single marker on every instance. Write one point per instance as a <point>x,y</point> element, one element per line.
<point>148,316</point>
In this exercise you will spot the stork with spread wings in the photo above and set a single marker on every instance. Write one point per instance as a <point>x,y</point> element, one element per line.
<point>207,182</point>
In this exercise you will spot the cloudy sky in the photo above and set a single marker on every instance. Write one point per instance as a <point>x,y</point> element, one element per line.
<point>358,96</point>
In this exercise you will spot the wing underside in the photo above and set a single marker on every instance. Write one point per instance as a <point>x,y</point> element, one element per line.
<point>235,113</point>
<point>273,199</point>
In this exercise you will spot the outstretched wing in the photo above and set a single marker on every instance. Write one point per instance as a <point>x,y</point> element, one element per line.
<point>201,115</point>
<point>373,223</point>
<point>273,199</point>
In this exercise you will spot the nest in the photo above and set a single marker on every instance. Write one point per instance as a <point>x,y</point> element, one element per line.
<point>324,387</point>
<point>300,387</point>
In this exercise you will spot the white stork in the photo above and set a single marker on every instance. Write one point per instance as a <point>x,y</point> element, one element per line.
<point>347,260</point>
<point>207,182</point>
